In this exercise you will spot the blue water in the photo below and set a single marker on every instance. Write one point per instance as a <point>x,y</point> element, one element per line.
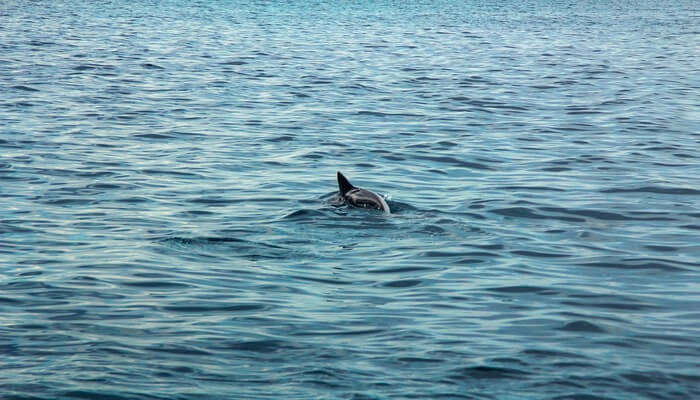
<point>167,228</point>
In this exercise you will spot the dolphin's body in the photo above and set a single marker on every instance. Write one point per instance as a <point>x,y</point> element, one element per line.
<point>360,197</point>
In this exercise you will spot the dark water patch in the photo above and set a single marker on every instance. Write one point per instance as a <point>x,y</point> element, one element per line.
<point>153,136</point>
<point>684,155</point>
<point>509,360</point>
<point>550,354</point>
<point>108,186</point>
<point>573,365</point>
<point>582,326</point>
<point>25,88</point>
<point>328,281</point>
<point>493,246</point>
<point>387,114</point>
<point>94,174</point>
<point>151,284</point>
<point>258,346</point>
<point>280,139</point>
<point>209,307</point>
<point>234,62</point>
<point>445,254</point>
<point>662,249</point>
<point>649,377</point>
<point>40,43</point>
<point>351,332</point>
<point>10,301</point>
<point>304,214</point>
<point>403,283</point>
<point>182,350</point>
<point>521,289</point>
<point>597,214</point>
<point>637,264</point>
<point>365,165</point>
<point>96,395</point>
<point>530,188</point>
<point>171,172</point>
<point>196,213</point>
<point>152,66</point>
<point>26,284</point>
<point>484,254</point>
<point>555,169</point>
<point>619,306</point>
<point>398,270</point>
<point>394,158</point>
<point>212,201</point>
<point>520,212</point>
<point>581,396</point>
<point>487,372</point>
<point>132,200</point>
<point>92,66</point>
<point>537,254</point>
<point>454,162</point>
<point>469,261</point>
<point>525,212</point>
<point>21,104</point>
<point>655,189</point>
<point>322,380</point>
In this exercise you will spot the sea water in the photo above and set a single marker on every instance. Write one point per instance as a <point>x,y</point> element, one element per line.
<point>167,229</point>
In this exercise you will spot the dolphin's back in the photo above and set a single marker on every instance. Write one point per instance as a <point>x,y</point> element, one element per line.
<point>366,199</point>
<point>360,197</point>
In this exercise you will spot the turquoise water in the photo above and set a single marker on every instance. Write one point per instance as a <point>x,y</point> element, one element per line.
<point>168,229</point>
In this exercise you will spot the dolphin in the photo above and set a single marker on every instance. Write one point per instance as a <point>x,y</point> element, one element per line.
<point>360,197</point>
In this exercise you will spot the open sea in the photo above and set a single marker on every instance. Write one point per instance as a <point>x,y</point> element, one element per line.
<point>168,228</point>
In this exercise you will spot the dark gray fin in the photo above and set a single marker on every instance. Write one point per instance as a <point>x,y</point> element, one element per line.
<point>344,185</point>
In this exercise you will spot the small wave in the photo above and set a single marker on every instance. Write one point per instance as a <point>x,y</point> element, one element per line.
<point>87,395</point>
<point>455,162</point>
<point>25,88</point>
<point>258,346</point>
<point>524,212</point>
<point>227,247</point>
<point>153,136</point>
<point>402,283</point>
<point>582,326</point>
<point>387,114</point>
<point>179,350</point>
<point>196,306</point>
<point>304,214</point>
<point>655,189</point>
<point>634,265</point>
<point>151,66</point>
<point>520,289</point>
<point>538,254</point>
<point>153,284</point>
<point>597,214</point>
<point>488,372</point>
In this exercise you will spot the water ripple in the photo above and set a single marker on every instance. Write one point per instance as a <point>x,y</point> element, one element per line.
<point>170,228</point>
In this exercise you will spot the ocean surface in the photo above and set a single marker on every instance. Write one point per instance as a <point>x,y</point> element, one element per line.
<point>168,229</point>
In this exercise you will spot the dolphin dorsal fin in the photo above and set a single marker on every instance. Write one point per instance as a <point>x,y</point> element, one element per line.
<point>344,185</point>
